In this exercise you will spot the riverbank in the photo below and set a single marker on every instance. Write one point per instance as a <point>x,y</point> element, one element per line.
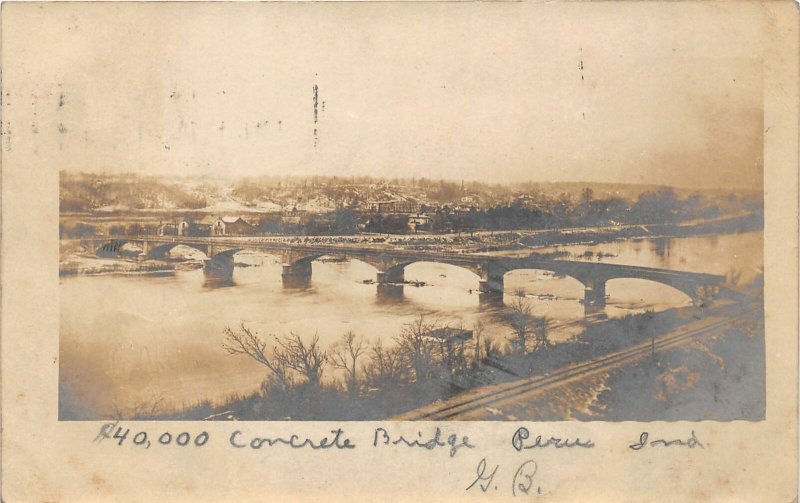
<point>79,265</point>
<point>720,376</point>
<point>709,368</point>
<point>331,401</point>
<point>87,266</point>
<point>730,225</point>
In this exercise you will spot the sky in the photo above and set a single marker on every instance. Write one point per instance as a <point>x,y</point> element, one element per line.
<point>493,92</point>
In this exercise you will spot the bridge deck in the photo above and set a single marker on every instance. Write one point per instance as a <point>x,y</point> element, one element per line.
<point>362,250</point>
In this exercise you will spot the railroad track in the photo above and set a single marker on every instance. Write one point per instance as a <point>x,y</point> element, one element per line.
<point>570,373</point>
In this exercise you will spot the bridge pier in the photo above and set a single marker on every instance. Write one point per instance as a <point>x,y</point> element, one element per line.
<point>297,274</point>
<point>491,286</point>
<point>492,279</point>
<point>594,294</point>
<point>390,283</point>
<point>218,271</point>
<point>391,276</point>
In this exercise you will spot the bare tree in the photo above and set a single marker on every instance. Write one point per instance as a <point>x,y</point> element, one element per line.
<point>416,347</point>
<point>385,367</point>
<point>520,318</point>
<point>441,350</point>
<point>540,337</point>
<point>306,359</point>
<point>490,349</point>
<point>345,354</point>
<point>477,334</point>
<point>246,342</point>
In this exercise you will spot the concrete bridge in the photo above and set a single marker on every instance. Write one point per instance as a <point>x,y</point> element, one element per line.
<point>391,263</point>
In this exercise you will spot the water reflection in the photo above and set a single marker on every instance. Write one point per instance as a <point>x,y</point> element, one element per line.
<point>488,301</point>
<point>211,281</point>
<point>390,293</point>
<point>296,282</point>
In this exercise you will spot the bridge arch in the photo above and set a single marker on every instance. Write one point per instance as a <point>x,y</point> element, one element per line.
<point>474,271</point>
<point>227,254</point>
<point>396,273</point>
<point>306,260</point>
<point>360,260</point>
<point>113,247</point>
<point>646,290</point>
<point>161,251</point>
<point>571,287</point>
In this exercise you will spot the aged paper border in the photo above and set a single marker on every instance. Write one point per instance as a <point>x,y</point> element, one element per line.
<point>47,460</point>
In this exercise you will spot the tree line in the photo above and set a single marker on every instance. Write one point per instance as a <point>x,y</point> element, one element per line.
<point>423,363</point>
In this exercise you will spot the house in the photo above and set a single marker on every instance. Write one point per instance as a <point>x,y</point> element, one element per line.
<point>382,206</point>
<point>406,206</point>
<point>183,227</point>
<point>199,229</point>
<point>393,206</point>
<point>291,215</point>
<point>231,226</point>
<point>463,210</point>
<point>419,222</point>
<point>168,230</point>
<point>526,201</point>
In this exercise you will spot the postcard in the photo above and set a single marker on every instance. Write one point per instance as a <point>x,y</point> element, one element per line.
<point>415,251</point>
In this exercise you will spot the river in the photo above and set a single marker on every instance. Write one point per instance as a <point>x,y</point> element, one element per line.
<point>128,341</point>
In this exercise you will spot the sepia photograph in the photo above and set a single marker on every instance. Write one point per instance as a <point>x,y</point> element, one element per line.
<point>378,227</point>
<point>423,251</point>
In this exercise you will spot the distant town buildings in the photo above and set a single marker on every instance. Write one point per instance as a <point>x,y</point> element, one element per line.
<point>393,206</point>
<point>168,229</point>
<point>419,222</point>
<point>319,205</point>
<point>208,226</point>
<point>231,226</point>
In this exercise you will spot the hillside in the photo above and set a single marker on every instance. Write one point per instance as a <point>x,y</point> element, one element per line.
<point>85,192</point>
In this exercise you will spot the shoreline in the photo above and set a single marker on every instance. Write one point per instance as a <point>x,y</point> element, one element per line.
<point>498,370</point>
<point>117,268</point>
